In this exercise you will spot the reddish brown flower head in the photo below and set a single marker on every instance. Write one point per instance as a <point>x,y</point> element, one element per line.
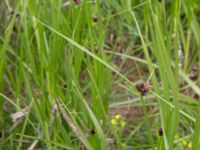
<point>160,132</point>
<point>91,131</point>
<point>77,2</point>
<point>143,87</point>
<point>95,19</point>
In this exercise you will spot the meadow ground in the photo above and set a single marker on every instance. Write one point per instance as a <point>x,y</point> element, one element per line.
<point>99,74</point>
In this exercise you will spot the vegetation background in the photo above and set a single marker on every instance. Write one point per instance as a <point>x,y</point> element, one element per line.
<point>99,74</point>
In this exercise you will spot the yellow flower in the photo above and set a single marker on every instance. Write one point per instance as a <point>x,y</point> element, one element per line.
<point>118,117</point>
<point>113,122</point>
<point>184,142</point>
<point>118,121</point>
<point>122,124</point>
<point>189,145</point>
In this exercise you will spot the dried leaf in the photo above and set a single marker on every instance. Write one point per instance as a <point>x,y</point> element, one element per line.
<point>18,115</point>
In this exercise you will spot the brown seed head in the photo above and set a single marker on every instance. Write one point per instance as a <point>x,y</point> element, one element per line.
<point>91,131</point>
<point>77,2</point>
<point>160,132</point>
<point>95,19</point>
<point>143,87</point>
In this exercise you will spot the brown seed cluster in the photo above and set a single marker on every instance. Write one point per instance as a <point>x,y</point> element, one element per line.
<point>143,87</point>
<point>77,2</point>
<point>160,132</point>
<point>95,19</point>
<point>91,131</point>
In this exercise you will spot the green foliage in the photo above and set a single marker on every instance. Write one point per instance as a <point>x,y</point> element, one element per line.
<point>65,67</point>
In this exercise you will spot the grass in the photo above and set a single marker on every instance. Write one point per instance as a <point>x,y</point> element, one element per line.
<point>65,75</point>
